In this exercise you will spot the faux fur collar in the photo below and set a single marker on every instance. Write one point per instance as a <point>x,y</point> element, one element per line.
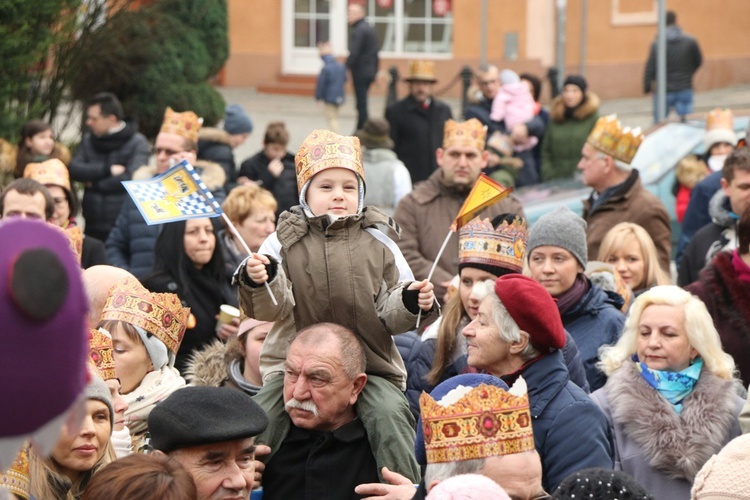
<point>211,173</point>
<point>211,134</point>
<point>588,108</point>
<point>208,366</point>
<point>732,296</point>
<point>677,445</point>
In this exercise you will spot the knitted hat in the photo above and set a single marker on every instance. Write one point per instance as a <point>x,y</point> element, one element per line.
<point>725,475</point>
<point>508,76</point>
<point>443,388</point>
<point>43,308</point>
<point>533,309</point>
<point>375,133</point>
<point>98,390</point>
<point>198,415</point>
<point>601,484</point>
<point>497,247</point>
<point>467,487</point>
<point>576,80</point>
<point>720,128</point>
<point>186,124</point>
<point>236,121</point>
<point>560,228</point>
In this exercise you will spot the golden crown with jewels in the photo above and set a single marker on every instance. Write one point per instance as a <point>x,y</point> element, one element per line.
<point>468,134</point>
<point>160,314</point>
<point>185,124</point>
<point>487,421</point>
<point>505,246</point>
<point>323,149</point>
<point>17,477</point>
<point>609,137</point>
<point>101,353</point>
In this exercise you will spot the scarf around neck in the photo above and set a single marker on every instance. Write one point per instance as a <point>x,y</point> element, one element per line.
<point>154,387</point>
<point>673,386</point>
<point>574,294</point>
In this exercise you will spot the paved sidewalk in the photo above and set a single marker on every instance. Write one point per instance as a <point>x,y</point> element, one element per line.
<point>303,114</point>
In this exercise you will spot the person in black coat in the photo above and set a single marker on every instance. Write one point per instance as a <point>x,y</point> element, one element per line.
<point>273,168</point>
<point>189,263</point>
<point>363,58</point>
<point>217,145</point>
<point>418,121</point>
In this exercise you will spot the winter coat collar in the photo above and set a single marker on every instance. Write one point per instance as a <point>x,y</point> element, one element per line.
<point>677,445</point>
<point>594,301</point>
<point>114,141</point>
<point>614,194</point>
<point>586,109</point>
<point>732,295</point>
<point>213,134</point>
<point>545,377</point>
<point>721,211</point>
<point>211,173</point>
<point>293,224</point>
<point>208,366</point>
<point>434,187</point>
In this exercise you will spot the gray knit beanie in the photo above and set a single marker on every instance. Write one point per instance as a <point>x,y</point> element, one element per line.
<point>560,228</point>
<point>98,390</point>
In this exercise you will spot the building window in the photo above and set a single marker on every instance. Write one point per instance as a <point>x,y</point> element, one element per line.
<point>311,22</point>
<point>412,26</point>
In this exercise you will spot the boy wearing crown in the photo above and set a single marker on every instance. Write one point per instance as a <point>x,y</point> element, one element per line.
<point>619,194</point>
<point>327,262</point>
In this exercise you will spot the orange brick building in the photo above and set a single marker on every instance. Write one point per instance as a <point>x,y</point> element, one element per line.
<point>272,42</point>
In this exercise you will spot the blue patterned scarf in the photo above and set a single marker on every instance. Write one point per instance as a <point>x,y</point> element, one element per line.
<point>674,386</point>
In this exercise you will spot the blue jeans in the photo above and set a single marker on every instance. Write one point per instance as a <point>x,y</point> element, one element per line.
<point>681,101</point>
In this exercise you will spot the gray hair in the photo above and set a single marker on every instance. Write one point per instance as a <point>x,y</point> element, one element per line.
<point>442,471</point>
<point>352,349</point>
<point>508,329</point>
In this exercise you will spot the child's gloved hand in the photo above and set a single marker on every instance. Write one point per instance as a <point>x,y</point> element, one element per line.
<point>255,267</point>
<point>426,295</point>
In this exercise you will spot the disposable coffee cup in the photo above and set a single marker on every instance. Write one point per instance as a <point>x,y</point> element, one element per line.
<point>227,314</point>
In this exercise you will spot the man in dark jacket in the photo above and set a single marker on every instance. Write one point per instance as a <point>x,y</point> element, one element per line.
<point>108,154</point>
<point>725,209</point>
<point>488,80</point>
<point>683,60</point>
<point>417,122</point>
<point>363,57</point>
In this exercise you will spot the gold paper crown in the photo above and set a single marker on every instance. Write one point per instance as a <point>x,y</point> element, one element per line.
<point>52,171</point>
<point>468,134</point>
<point>486,422</point>
<point>16,479</point>
<point>185,124</point>
<point>323,149</point>
<point>100,351</point>
<point>480,243</point>
<point>421,71</point>
<point>610,138</point>
<point>720,118</point>
<point>160,314</point>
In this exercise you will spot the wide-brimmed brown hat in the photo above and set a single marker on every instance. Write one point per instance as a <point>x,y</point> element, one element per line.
<point>375,134</point>
<point>421,71</point>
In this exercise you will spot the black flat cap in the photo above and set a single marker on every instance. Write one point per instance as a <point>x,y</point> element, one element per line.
<point>194,416</point>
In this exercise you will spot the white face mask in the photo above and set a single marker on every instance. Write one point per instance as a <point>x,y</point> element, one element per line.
<point>716,162</point>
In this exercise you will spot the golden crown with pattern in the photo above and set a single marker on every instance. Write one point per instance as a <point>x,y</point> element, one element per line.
<point>185,124</point>
<point>609,137</point>
<point>421,71</point>
<point>52,171</point>
<point>487,421</point>
<point>160,314</point>
<point>720,118</point>
<point>17,479</point>
<point>101,353</point>
<point>468,134</point>
<point>323,149</point>
<point>479,243</point>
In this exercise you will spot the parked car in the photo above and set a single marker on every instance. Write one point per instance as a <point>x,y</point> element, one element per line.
<point>662,149</point>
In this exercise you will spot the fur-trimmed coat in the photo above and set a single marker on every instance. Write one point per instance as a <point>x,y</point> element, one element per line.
<point>564,137</point>
<point>662,450</point>
<point>215,145</point>
<point>728,301</point>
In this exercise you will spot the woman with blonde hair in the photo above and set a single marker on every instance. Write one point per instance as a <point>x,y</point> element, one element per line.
<point>630,249</point>
<point>78,455</point>
<point>671,395</point>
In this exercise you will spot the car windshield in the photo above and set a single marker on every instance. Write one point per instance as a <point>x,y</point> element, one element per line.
<point>664,147</point>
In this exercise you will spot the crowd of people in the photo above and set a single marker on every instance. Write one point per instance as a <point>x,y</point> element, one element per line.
<point>378,352</point>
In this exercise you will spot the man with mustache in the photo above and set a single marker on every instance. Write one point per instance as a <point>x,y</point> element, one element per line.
<point>325,453</point>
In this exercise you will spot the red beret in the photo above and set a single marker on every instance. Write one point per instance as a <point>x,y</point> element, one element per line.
<point>533,309</point>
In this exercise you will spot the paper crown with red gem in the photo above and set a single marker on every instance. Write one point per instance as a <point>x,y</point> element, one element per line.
<point>16,478</point>
<point>468,134</point>
<point>100,350</point>
<point>482,245</point>
<point>323,149</point>
<point>484,421</point>
<point>185,124</point>
<point>609,137</point>
<point>160,314</point>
